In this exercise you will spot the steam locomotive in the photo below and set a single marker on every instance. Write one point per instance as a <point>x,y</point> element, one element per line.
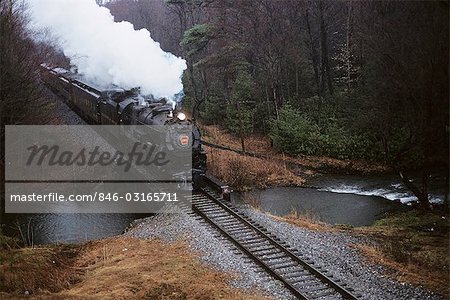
<point>116,106</point>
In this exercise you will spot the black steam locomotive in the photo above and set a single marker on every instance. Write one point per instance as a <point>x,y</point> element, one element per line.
<point>116,106</point>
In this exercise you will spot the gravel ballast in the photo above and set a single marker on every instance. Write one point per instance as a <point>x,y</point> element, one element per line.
<point>333,251</point>
<point>212,247</point>
<point>63,113</point>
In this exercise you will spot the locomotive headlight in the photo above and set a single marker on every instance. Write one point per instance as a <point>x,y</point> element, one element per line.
<point>181,116</point>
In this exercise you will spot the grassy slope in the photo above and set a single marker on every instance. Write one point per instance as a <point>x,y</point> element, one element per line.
<point>246,172</point>
<point>303,166</point>
<point>114,268</point>
<point>413,246</point>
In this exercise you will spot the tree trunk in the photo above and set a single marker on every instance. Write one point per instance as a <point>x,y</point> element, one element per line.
<point>349,17</point>
<point>447,191</point>
<point>326,72</point>
<point>313,55</point>
<point>194,89</point>
<point>422,195</point>
<point>287,81</point>
<point>241,126</point>
<point>275,100</point>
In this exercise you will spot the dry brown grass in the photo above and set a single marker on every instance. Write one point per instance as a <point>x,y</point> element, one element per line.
<point>337,165</point>
<point>253,143</point>
<point>261,144</point>
<point>401,243</point>
<point>38,269</point>
<point>412,251</point>
<point>129,268</point>
<point>306,220</point>
<point>253,199</point>
<point>433,279</point>
<point>244,172</point>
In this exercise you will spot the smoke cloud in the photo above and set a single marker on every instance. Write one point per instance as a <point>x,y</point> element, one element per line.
<point>108,52</point>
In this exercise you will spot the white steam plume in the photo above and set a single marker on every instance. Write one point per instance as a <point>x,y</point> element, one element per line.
<point>108,52</point>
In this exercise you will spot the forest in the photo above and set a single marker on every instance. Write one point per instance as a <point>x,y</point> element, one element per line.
<point>344,79</point>
<point>324,129</point>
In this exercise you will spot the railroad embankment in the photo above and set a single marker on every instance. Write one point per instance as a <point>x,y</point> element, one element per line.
<point>412,246</point>
<point>175,256</point>
<point>115,268</point>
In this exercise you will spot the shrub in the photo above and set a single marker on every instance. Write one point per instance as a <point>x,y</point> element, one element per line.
<point>213,110</point>
<point>296,133</point>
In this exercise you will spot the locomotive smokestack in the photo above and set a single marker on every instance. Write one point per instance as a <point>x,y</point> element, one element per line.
<point>108,52</point>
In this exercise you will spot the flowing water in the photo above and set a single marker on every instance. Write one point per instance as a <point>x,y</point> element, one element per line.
<point>354,200</point>
<point>329,207</point>
<point>67,228</point>
<point>386,186</point>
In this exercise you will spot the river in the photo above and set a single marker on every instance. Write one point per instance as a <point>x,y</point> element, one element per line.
<point>67,228</point>
<point>353,200</point>
<point>342,199</point>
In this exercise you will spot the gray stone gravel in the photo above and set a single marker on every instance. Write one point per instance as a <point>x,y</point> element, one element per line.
<point>331,250</point>
<point>334,251</point>
<point>213,249</point>
<point>63,112</point>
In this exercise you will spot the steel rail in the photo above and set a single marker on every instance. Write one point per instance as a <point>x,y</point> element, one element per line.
<point>266,267</point>
<point>324,279</point>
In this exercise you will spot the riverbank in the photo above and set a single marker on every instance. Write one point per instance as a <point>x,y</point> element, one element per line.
<point>177,256</point>
<point>411,247</point>
<point>329,207</point>
<point>113,268</point>
<point>335,249</point>
<point>414,246</point>
<point>269,167</point>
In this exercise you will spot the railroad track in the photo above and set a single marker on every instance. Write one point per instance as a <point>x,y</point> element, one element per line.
<point>298,274</point>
